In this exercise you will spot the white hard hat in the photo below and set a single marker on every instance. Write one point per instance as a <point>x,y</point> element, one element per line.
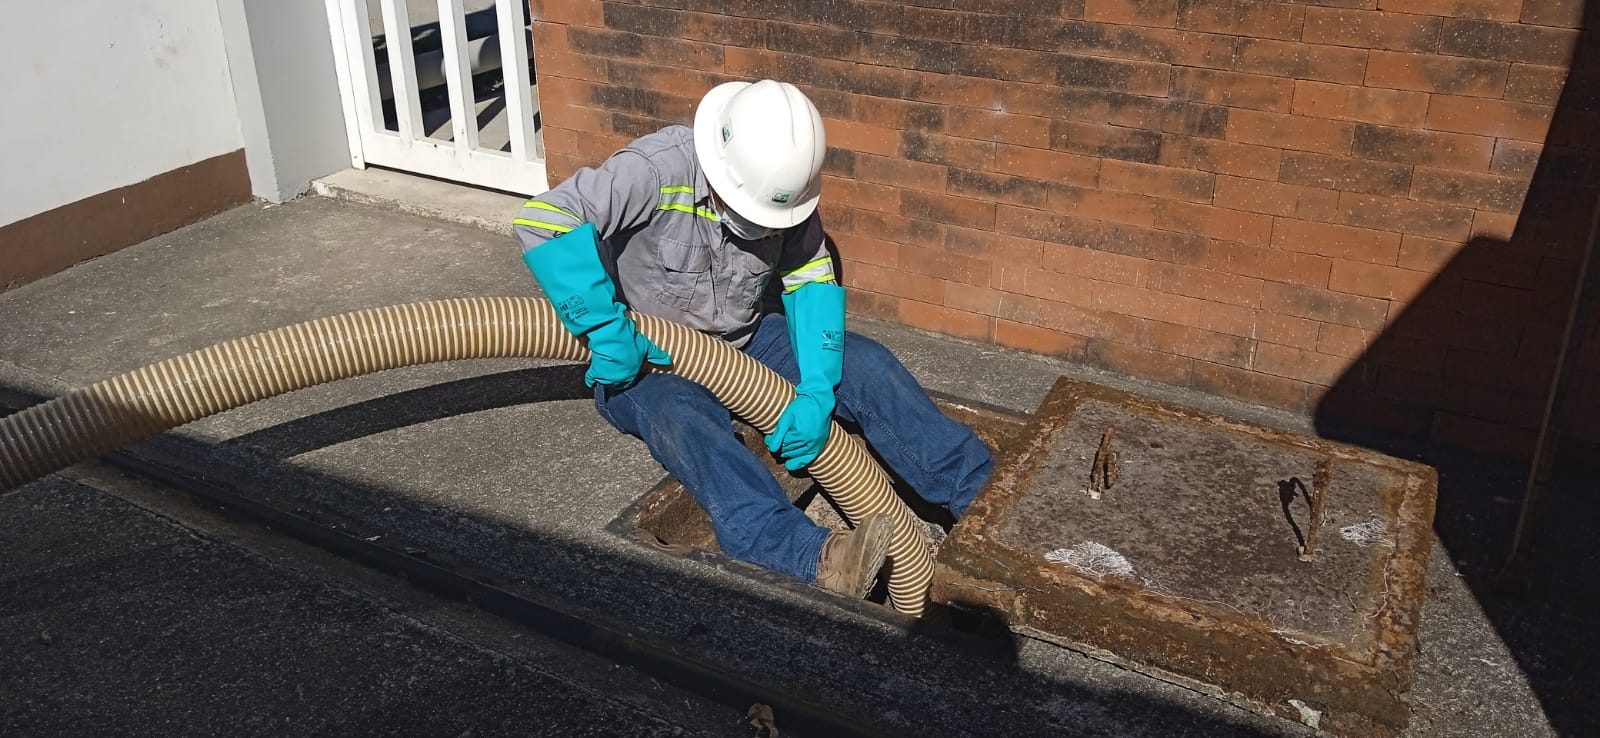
<point>761,147</point>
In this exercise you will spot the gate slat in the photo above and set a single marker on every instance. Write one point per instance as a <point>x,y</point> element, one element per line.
<point>518,85</point>
<point>402,69</point>
<point>458,76</point>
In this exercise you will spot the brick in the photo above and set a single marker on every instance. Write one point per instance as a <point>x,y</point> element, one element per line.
<point>1376,280</point>
<point>1360,407</point>
<point>885,226</point>
<point>1323,305</point>
<point>1209,50</point>
<point>947,150</point>
<point>895,283</point>
<point>1197,343</point>
<point>1113,237</point>
<point>1496,439</point>
<point>1341,340</point>
<point>1336,241</point>
<point>1276,198</point>
<point>1497,118</point>
<point>1150,42</point>
<point>1087,202</point>
<point>1100,266</point>
<point>830,43</point>
<point>1287,330</point>
<point>871,304</point>
<point>945,209</point>
<point>1515,158</point>
<point>1146,13</point>
<point>860,194</point>
<point>893,113</point>
<point>1560,13</point>
<point>1427,148</point>
<point>1480,191</point>
<point>941,319</point>
<point>1527,374</point>
<point>867,250</point>
<point>1485,9</point>
<point>1140,362</point>
<point>1220,157</point>
<point>1146,304</point>
<point>1241,18</point>
<point>1057,287</point>
<point>863,138</point>
<point>945,89</point>
<point>1404,216</point>
<point>1339,173</point>
<point>1131,240</point>
<point>1234,320</point>
<point>1038,340</point>
<point>1437,74</point>
<point>1205,284</point>
<point>996,187</point>
<point>950,58</point>
<point>1426,254</point>
<point>1453,328</point>
<point>1067,318</point>
<point>1535,84</point>
<point>1212,222</point>
<point>669,52</point>
<point>1091,106</point>
<point>1156,181</point>
<point>1140,78</point>
<point>572,12</point>
<point>988,125</point>
<point>1306,366</point>
<point>1232,89</point>
<point>1371,30</point>
<point>1111,142</point>
<point>898,172</point>
<point>1250,386</point>
<point>1302,61</point>
<point>1509,42</point>
<point>994,247</point>
<point>715,28</point>
<point>1188,118</point>
<point>839,162</point>
<point>1364,104</point>
<point>1290,131</point>
<point>1047,166</point>
<point>973,299</point>
<point>670,80</point>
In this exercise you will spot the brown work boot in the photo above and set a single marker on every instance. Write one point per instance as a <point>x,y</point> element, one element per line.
<point>851,559</point>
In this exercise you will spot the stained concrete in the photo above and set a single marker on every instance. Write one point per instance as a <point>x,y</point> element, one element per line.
<point>503,469</point>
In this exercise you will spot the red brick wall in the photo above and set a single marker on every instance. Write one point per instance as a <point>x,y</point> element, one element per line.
<point>1324,209</point>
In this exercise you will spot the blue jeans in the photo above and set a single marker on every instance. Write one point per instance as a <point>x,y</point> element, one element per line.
<point>690,433</point>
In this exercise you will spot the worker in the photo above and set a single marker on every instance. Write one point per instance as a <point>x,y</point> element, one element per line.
<point>690,225</point>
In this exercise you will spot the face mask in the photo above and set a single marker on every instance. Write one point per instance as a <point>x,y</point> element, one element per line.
<point>740,227</point>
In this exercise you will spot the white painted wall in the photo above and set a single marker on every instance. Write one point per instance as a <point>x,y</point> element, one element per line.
<point>281,56</point>
<point>98,94</point>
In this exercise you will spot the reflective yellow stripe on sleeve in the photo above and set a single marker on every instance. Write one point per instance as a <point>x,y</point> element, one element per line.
<point>672,199</point>
<point>542,224</point>
<point>818,270</point>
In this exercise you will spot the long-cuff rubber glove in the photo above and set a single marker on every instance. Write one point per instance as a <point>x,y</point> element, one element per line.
<point>816,330</point>
<point>568,268</point>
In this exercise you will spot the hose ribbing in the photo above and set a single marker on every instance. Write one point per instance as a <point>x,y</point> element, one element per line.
<point>152,399</point>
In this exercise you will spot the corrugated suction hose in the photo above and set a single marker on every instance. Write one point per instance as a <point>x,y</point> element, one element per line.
<point>146,401</point>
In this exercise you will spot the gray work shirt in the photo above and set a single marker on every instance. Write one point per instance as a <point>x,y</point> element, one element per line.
<point>664,246</point>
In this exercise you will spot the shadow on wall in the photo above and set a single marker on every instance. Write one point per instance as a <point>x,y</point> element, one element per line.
<point>1470,362</point>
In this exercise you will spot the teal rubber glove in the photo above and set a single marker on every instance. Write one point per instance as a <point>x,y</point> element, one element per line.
<point>816,330</point>
<point>568,268</point>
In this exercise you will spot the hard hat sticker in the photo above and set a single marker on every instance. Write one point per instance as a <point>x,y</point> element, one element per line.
<point>782,196</point>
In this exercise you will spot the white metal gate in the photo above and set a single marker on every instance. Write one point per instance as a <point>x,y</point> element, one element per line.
<point>421,111</point>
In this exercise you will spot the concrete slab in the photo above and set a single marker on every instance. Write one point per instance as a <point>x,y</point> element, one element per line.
<point>473,466</point>
<point>117,621</point>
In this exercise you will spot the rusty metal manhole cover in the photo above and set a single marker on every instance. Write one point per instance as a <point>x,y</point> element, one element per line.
<point>1192,545</point>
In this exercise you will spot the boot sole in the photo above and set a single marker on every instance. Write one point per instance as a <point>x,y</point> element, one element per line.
<point>879,532</point>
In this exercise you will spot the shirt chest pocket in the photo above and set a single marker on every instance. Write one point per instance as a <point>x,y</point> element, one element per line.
<point>685,272</point>
<point>754,266</point>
